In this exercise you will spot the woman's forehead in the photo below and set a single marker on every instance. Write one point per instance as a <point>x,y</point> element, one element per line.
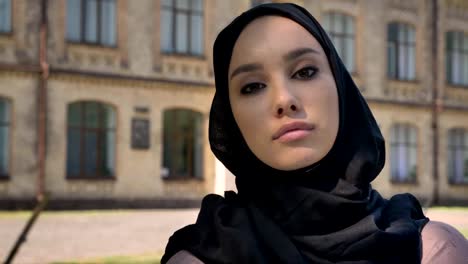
<point>267,35</point>
<point>278,28</point>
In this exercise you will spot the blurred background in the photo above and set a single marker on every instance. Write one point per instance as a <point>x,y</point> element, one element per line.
<point>104,104</point>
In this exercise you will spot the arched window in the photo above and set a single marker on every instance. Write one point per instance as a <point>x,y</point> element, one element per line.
<point>457,155</point>
<point>4,137</point>
<point>457,58</point>
<point>340,28</point>
<point>401,61</point>
<point>90,140</point>
<point>403,153</point>
<point>183,144</point>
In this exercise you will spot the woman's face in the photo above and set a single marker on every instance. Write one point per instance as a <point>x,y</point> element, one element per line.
<point>283,94</point>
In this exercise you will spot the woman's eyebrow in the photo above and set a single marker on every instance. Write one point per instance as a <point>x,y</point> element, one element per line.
<point>294,54</point>
<point>299,52</point>
<point>246,68</point>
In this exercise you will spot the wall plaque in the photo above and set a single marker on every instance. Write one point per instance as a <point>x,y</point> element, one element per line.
<point>140,133</point>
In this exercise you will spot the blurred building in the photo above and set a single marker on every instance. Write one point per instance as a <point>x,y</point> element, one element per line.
<point>106,102</point>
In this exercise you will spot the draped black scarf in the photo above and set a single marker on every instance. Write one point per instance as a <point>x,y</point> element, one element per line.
<point>324,213</point>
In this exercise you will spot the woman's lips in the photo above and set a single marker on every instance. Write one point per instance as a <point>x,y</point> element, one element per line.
<point>293,131</point>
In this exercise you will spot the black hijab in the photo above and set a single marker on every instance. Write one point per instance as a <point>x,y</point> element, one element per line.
<point>324,213</point>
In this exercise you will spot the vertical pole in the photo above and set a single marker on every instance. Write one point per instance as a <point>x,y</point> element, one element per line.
<point>42,101</point>
<point>41,126</point>
<point>436,103</point>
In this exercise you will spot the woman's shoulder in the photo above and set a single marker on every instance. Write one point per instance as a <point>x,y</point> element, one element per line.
<point>442,243</point>
<point>184,256</point>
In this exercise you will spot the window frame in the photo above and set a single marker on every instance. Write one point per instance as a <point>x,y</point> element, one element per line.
<point>396,142</point>
<point>190,12</point>
<point>190,162</point>
<point>7,123</point>
<point>101,132</point>
<point>407,44</point>
<point>343,36</point>
<point>83,17</point>
<point>9,31</point>
<point>461,52</point>
<point>254,3</point>
<point>452,149</point>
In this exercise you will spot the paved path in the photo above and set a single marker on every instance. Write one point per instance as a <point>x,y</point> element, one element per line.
<point>76,235</point>
<point>66,236</point>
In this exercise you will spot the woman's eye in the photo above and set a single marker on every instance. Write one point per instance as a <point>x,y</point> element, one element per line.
<point>305,73</point>
<point>252,88</point>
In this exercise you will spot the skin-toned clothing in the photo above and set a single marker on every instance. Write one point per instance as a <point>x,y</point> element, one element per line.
<point>184,256</point>
<point>442,244</point>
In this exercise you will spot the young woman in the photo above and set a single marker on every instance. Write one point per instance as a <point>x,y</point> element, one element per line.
<point>288,121</point>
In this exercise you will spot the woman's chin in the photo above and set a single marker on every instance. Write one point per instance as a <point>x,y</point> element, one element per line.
<point>295,160</point>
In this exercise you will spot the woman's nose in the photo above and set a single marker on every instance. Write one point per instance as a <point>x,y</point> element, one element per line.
<point>286,103</point>
<point>280,111</point>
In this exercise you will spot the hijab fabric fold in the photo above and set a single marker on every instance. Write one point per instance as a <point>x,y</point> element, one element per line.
<point>324,213</point>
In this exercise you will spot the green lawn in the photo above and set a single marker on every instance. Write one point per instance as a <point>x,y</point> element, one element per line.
<point>449,208</point>
<point>464,232</point>
<point>152,258</point>
<point>26,214</point>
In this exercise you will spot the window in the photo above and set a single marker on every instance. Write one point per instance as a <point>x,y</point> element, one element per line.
<point>341,30</point>
<point>90,140</point>
<point>457,58</point>
<point>5,16</point>
<point>182,27</point>
<point>183,144</point>
<point>458,155</point>
<point>403,159</point>
<point>258,2</point>
<point>91,22</point>
<point>4,137</point>
<point>401,52</point>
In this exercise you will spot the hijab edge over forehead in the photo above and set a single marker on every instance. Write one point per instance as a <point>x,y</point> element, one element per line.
<point>227,142</point>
